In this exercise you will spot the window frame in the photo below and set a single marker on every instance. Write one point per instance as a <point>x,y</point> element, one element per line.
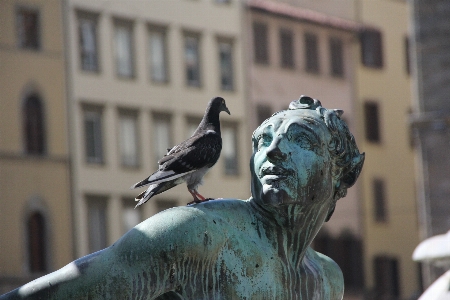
<point>128,114</point>
<point>92,111</point>
<point>261,53</point>
<point>94,18</point>
<point>162,31</point>
<point>224,73</point>
<point>380,202</point>
<point>312,52</point>
<point>128,25</point>
<point>22,43</point>
<point>42,236</point>
<point>372,121</point>
<point>158,153</point>
<point>263,112</point>
<point>129,203</point>
<point>194,82</point>
<point>287,61</point>
<point>337,60</point>
<point>34,125</point>
<point>371,41</point>
<point>234,127</point>
<point>101,226</point>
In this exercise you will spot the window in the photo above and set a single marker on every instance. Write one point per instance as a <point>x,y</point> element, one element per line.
<point>33,125</point>
<point>229,149</point>
<point>165,204</point>
<point>226,65</point>
<point>130,216</point>
<point>263,112</point>
<point>93,135</point>
<point>158,54</point>
<point>260,43</point>
<point>336,57</point>
<point>87,28</point>
<point>372,122</point>
<point>162,135</point>
<point>37,237</point>
<point>311,53</point>
<point>123,32</point>
<point>128,138</point>
<point>28,27</point>
<point>371,49</point>
<point>287,49</point>
<point>97,226</point>
<point>407,56</point>
<point>192,59</point>
<point>387,284</point>
<point>379,200</point>
<point>346,250</point>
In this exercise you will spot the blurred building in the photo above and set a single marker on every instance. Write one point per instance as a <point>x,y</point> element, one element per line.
<point>35,218</point>
<point>431,117</point>
<point>141,74</point>
<point>292,50</point>
<point>388,186</point>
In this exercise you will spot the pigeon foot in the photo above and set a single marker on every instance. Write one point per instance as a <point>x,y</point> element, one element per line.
<point>199,201</point>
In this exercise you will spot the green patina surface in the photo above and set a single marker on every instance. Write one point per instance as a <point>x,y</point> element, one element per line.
<point>304,159</point>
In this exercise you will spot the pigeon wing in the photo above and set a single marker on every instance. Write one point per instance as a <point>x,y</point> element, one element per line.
<point>194,153</point>
<point>201,151</point>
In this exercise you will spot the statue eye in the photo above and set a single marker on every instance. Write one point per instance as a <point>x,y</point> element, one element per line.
<point>263,140</point>
<point>303,140</point>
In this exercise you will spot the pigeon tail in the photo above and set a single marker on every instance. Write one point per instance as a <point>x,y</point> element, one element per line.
<point>147,194</point>
<point>159,177</point>
<point>154,190</point>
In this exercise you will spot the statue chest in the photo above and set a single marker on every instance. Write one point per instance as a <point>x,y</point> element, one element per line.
<point>248,275</point>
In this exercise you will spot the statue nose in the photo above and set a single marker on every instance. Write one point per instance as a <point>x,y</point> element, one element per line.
<point>274,153</point>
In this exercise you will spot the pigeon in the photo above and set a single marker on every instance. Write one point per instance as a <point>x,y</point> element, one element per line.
<point>190,160</point>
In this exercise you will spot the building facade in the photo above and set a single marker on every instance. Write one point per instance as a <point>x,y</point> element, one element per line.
<point>141,76</point>
<point>35,218</point>
<point>294,51</point>
<point>384,102</point>
<point>430,119</point>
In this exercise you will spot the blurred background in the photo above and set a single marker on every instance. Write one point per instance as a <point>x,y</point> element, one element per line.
<point>92,93</point>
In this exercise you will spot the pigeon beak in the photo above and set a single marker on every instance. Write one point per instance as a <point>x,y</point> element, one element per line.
<point>225,109</point>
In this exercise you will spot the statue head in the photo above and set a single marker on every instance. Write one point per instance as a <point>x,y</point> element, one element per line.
<point>304,156</point>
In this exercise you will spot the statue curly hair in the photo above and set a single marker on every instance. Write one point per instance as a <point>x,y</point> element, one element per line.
<point>348,161</point>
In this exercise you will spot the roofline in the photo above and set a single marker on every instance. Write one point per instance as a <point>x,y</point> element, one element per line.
<point>304,15</point>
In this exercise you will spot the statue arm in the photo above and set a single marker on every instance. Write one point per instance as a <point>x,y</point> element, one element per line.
<point>137,265</point>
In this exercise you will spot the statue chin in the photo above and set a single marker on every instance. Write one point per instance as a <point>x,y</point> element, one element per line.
<point>275,195</point>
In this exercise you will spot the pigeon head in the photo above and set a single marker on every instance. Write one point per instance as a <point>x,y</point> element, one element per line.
<point>218,104</point>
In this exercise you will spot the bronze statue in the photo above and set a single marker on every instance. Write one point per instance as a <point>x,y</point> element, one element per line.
<point>304,159</point>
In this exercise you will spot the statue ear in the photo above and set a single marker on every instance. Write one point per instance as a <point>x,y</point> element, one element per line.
<point>330,212</point>
<point>353,171</point>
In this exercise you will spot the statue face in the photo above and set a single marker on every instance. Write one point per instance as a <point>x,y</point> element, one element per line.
<point>291,163</point>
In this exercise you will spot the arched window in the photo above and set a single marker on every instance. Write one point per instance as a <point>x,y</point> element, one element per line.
<point>33,125</point>
<point>37,250</point>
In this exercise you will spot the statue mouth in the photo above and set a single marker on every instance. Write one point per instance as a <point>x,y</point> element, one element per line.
<point>275,172</point>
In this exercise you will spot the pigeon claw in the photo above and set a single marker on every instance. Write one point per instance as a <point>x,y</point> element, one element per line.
<point>199,201</point>
<point>197,197</point>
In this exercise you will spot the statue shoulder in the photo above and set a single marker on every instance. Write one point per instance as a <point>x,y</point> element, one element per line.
<point>333,279</point>
<point>183,226</point>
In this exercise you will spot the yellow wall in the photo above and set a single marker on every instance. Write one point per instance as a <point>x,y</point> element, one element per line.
<point>28,182</point>
<point>392,159</point>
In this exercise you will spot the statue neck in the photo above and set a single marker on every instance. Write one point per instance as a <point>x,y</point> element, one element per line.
<point>293,227</point>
